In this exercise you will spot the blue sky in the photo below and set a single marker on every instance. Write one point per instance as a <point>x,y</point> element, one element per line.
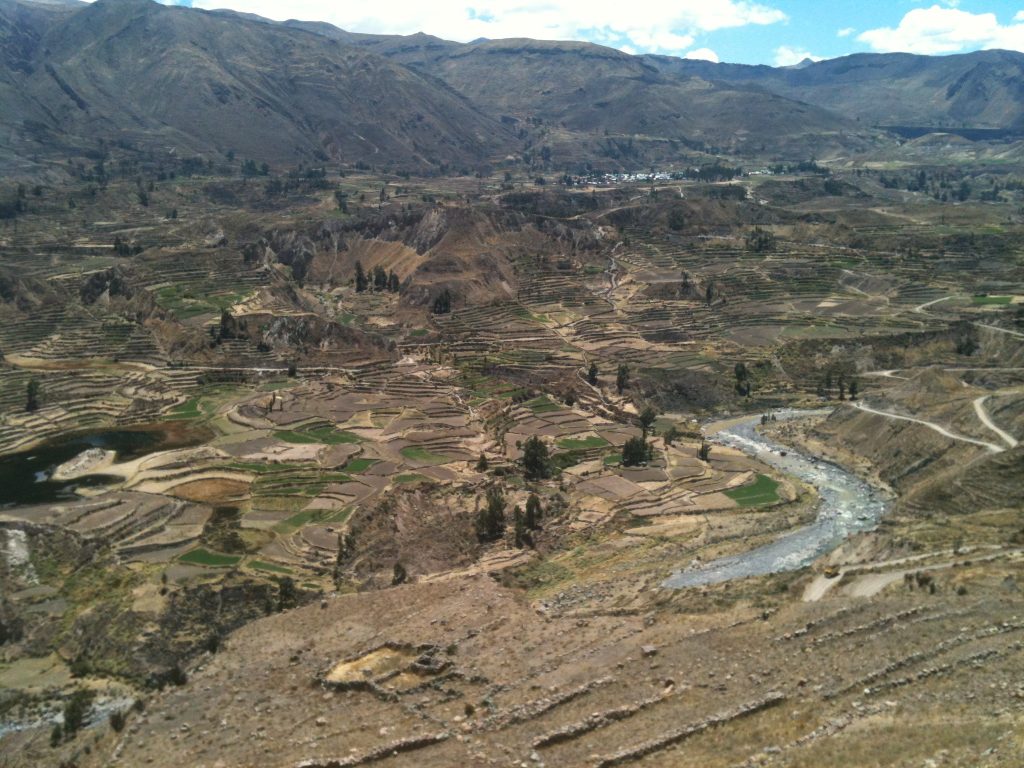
<point>776,32</point>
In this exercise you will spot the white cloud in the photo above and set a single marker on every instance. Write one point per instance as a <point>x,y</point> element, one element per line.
<point>937,30</point>
<point>646,25</point>
<point>787,56</point>
<point>845,32</point>
<point>702,54</point>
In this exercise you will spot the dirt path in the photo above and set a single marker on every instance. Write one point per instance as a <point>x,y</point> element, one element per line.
<point>1000,330</point>
<point>920,308</point>
<point>872,582</point>
<point>889,374</point>
<point>931,425</point>
<point>979,408</point>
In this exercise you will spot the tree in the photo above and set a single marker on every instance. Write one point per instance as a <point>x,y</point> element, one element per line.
<point>761,240</point>
<point>522,533</point>
<point>76,709</point>
<point>533,512</point>
<point>32,396</point>
<point>117,720</point>
<point>393,282</point>
<point>671,435</point>
<point>443,303</point>
<point>361,281</point>
<point>482,464</point>
<point>341,198</point>
<point>622,378</point>
<point>646,420</point>
<point>380,278</point>
<point>709,293</point>
<point>705,451</point>
<point>536,462</point>
<point>592,375</point>
<point>490,521</point>
<point>854,388</point>
<point>398,575</point>
<point>635,452</point>
<point>742,379</point>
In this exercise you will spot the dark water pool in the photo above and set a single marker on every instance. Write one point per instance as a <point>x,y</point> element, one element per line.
<point>25,477</point>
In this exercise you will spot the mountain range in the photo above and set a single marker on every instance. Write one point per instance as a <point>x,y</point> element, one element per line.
<point>178,80</point>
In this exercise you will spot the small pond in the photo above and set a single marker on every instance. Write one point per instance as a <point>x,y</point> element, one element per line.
<point>25,477</point>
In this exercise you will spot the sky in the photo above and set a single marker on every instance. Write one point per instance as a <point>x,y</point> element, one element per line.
<point>774,32</point>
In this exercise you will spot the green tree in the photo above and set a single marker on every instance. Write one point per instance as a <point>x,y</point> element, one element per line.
<point>490,520</point>
<point>361,281</point>
<point>635,452</point>
<point>536,462</point>
<point>742,379</point>
<point>76,709</point>
<point>380,278</point>
<point>393,283</point>
<point>671,435</point>
<point>854,389</point>
<point>592,375</point>
<point>398,575</point>
<point>443,303</point>
<point>522,533</point>
<point>32,396</point>
<point>622,378</point>
<point>482,464</point>
<point>533,512</point>
<point>646,420</point>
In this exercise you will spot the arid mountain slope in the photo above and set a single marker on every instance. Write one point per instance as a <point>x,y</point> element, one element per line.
<point>984,89</point>
<point>173,79</point>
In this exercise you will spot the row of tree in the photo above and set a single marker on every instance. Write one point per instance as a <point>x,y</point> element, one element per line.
<point>379,279</point>
<point>490,521</point>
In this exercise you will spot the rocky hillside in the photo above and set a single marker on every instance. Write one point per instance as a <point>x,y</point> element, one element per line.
<point>183,81</point>
<point>981,90</point>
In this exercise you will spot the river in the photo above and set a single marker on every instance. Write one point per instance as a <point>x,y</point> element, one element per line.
<point>847,505</point>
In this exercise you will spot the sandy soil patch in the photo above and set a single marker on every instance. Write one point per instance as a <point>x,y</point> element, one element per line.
<point>212,490</point>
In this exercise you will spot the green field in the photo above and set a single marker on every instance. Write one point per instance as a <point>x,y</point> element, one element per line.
<point>422,455</point>
<point>296,521</point>
<point>990,300</point>
<point>573,444</point>
<point>542,404</point>
<point>187,410</point>
<point>259,565</point>
<point>359,465</point>
<point>413,478</point>
<point>612,459</point>
<point>763,490</point>
<point>202,556</point>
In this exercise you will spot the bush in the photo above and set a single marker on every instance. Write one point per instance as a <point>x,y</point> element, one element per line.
<point>117,720</point>
<point>76,709</point>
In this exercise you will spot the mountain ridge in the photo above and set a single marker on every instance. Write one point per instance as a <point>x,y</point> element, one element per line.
<point>188,81</point>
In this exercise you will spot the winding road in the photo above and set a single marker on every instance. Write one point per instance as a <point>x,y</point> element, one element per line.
<point>933,426</point>
<point>979,408</point>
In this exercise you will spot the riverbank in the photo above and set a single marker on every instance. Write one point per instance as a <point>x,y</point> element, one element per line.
<point>848,504</point>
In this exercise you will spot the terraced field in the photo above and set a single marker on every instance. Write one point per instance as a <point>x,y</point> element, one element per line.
<point>429,483</point>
